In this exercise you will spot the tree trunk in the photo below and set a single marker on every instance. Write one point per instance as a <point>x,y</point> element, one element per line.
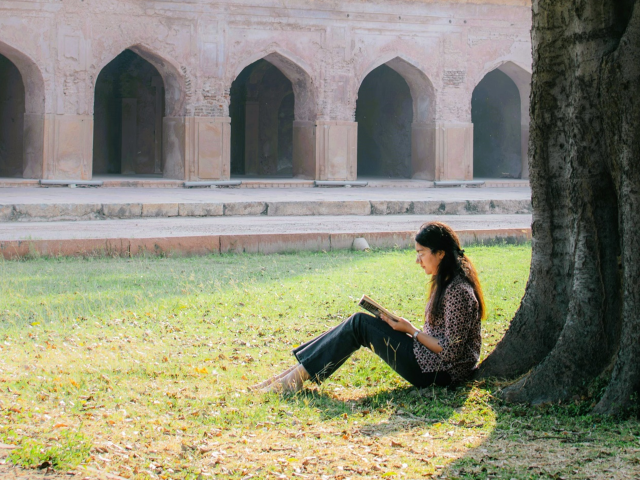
<point>580,316</point>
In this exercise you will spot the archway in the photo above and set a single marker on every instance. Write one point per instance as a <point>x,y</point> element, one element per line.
<point>129,107</point>
<point>12,111</point>
<point>395,111</point>
<point>500,116</point>
<point>262,114</point>
<point>384,114</point>
<point>495,113</point>
<point>273,117</point>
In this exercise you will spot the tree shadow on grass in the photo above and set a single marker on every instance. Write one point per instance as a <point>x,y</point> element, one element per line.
<point>471,434</point>
<point>552,441</point>
<point>403,408</point>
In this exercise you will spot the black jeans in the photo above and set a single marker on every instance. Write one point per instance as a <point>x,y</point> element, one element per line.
<point>326,353</point>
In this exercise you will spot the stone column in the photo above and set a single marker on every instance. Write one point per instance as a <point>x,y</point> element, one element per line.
<point>174,148</point>
<point>304,150</point>
<point>336,150</point>
<point>68,146</point>
<point>454,151</point>
<point>197,148</point>
<point>34,144</point>
<point>423,150</point>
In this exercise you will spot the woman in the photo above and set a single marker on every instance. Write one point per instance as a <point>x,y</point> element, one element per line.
<point>444,352</point>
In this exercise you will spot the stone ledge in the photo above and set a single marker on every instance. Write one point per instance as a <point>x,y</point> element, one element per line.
<point>160,209</point>
<point>245,208</point>
<point>458,183</point>
<point>354,207</point>
<point>213,184</point>
<point>128,182</point>
<point>96,211</point>
<point>70,183</point>
<point>394,207</point>
<point>18,182</point>
<point>57,211</point>
<point>122,210</point>
<point>200,209</point>
<point>338,183</point>
<point>259,243</point>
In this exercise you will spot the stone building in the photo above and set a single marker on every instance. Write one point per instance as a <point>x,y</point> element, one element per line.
<point>316,89</point>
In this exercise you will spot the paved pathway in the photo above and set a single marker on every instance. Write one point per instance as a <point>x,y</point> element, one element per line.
<point>259,225</point>
<point>37,195</point>
<point>127,221</point>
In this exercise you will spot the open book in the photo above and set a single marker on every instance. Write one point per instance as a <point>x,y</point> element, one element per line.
<point>372,306</point>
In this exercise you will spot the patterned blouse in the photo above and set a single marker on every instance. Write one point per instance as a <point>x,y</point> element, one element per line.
<point>457,328</point>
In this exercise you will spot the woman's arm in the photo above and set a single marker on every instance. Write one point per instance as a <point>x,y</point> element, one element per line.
<point>404,325</point>
<point>428,341</point>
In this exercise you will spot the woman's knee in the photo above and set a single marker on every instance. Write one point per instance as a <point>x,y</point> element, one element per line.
<point>359,316</point>
<point>361,319</point>
<point>365,327</point>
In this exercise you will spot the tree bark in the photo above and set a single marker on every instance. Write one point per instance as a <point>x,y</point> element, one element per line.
<point>579,318</point>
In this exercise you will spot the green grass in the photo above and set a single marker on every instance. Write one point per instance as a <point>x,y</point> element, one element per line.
<point>65,453</point>
<point>148,359</point>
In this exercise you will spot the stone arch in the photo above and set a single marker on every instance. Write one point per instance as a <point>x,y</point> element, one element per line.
<point>297,71</point>
<point>422,90</point>
<point>520,75</point>
<point>423,100</point>
<point>173,77</point>
<point>24,128</point>
<point>247,143</point>
<point>521,78</point>
<point>136,94</point>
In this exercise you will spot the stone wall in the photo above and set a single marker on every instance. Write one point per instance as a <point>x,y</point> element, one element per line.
<point>324,48</point>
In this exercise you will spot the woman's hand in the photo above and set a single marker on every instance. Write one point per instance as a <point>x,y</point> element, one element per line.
<point>402,325</point>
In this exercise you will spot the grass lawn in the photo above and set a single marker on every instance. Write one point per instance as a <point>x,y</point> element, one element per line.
<point>138,368</point>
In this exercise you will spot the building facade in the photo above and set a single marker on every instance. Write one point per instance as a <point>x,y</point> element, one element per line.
<point>202,89</point>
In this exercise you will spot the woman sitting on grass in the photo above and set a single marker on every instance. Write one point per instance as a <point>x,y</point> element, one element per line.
<point>444,352</point>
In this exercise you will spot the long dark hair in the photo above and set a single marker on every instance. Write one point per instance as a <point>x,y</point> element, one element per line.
<point>439,237</point>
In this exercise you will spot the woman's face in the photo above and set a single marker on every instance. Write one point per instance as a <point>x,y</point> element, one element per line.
<point>428,260</point>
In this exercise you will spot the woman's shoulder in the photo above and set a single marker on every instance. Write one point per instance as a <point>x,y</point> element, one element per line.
<point>460,289</point>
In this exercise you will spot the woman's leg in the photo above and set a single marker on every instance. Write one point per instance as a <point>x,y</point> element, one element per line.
<point>291,382</point>
<point>325,354</point>
<point>269,381</point>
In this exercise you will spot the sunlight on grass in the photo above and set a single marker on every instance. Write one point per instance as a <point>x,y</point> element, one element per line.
<point>149,360</point>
